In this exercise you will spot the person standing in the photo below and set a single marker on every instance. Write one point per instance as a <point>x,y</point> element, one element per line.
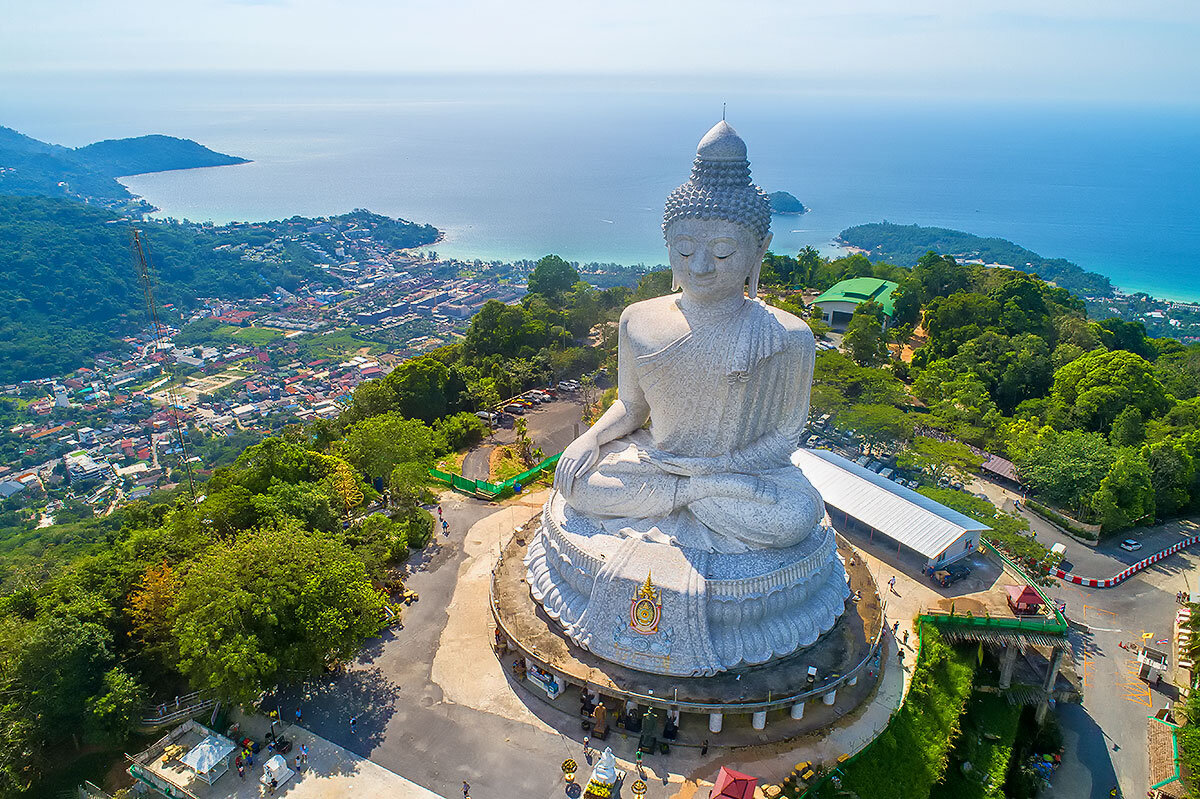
<point>304,753</point>
<point>299,715</point>
<point>353,724</point>
<point>704,747</point>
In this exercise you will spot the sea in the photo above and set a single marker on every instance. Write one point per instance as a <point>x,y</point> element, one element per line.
<point>515,167</point>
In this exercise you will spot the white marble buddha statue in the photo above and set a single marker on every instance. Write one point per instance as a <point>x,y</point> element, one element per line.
<point>679,537</point>
<point>721,379</point>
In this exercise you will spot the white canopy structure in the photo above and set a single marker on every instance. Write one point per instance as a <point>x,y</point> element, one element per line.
<point>209,758</point>
<point>910,519</point>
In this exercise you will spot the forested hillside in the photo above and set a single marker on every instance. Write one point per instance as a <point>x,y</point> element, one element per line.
<point>905,244</point>
<point>155,153</point>
<point>69,288</point>
<point>32,167</point>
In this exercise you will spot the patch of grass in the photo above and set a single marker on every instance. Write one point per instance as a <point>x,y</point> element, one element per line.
<point>505,464</point>
<point>256,336</point>
<point>452,463</point>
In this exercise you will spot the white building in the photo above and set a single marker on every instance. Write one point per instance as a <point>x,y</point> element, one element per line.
<point>858,498</point>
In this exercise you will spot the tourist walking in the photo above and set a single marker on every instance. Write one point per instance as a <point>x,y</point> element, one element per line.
<point>704,747</point>
<point>896,628</point>
<point>586,745</point>
<point>466,790</point>
<point>353,724</point>
<point>892,585</point>
<point>906,637</point>
<point>299,715</point>
<point>304,753</point>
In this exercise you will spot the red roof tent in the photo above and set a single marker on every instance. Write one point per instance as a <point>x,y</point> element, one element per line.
<point>733,785</point>
<point>1023,599</point>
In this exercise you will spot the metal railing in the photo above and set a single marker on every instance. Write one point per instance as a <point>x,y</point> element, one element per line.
<point>182,707</point>
<point>1057,625</point>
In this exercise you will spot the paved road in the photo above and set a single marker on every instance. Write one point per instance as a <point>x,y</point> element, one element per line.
<point>551,426</point>
<point>1106,738</point>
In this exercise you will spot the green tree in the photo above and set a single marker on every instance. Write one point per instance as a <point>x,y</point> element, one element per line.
<point>552,276</point>
<point>1066,468</point>
<point>115,708</point>
<point>1091,390</point>
<point>60,668</point>
<point>1126,494</point>
<point>378,540</point>
<point>1172,472</point>
<point>281,602</point>
<point>864,335</point>
<point>376,445</point>
<point>461,430</point>
<point>421,387</point>
<point>939,459</point>
<point>882,426</point>
<point>1128,428</point>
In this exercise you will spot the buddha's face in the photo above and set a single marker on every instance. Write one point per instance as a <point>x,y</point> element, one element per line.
<point>711,259</point>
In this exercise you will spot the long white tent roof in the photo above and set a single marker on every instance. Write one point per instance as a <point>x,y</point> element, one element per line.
<point>904,515</point>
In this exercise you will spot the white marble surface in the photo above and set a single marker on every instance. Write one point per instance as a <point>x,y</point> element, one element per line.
<point>686,479</point>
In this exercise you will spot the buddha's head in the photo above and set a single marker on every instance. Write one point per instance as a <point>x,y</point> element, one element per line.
<point>718,224</point>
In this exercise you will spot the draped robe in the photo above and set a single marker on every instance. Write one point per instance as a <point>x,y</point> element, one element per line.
<point>739,387</point>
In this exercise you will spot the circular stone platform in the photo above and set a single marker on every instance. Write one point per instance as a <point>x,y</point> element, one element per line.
<point>846,658</point>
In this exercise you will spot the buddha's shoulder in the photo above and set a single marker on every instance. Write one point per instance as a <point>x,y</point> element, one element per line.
<point>649,312</point>
<point>795,328</point>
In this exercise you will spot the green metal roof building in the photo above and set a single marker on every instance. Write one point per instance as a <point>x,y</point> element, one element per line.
<point>838,303</point>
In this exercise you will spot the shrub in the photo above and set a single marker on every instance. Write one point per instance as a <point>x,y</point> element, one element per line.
<point>911,754</point>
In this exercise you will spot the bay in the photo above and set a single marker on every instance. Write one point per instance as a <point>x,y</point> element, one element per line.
<point>514,167</point>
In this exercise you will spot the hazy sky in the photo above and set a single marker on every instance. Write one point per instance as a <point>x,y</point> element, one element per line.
<point>1086,49</point>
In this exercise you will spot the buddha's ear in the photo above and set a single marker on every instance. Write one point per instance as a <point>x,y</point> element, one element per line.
<point>757,268</point>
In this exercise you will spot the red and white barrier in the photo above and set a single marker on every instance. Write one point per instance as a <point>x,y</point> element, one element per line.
<point>1117,579</point>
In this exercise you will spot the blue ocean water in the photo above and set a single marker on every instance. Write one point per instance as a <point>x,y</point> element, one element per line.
<point>519,167</point>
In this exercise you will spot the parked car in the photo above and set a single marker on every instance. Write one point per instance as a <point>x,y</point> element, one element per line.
<point>1129,545</point>
<point>515,408</point>
<point>947,575</point>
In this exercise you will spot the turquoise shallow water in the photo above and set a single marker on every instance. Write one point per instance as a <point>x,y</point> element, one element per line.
<point>518,167</point>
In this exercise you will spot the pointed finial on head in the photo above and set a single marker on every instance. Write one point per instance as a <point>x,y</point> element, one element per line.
<point>722,112</point>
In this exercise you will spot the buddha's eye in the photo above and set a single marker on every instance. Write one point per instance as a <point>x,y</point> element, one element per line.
<point>685,246</point>
<point>723,248</point>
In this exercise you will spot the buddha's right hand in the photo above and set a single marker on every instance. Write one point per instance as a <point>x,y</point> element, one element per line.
<point>579,456</point>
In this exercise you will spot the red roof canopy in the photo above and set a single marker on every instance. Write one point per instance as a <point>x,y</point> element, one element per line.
<point>733,785</point>
<point>1022,595</point>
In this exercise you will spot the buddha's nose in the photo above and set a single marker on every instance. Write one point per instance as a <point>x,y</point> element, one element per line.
<point>702,264</point>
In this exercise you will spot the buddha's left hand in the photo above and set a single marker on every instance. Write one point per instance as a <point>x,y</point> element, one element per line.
<point>684,465</point>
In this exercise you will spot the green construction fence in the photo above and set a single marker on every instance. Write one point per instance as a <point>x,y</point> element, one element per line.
<point>486,490</point>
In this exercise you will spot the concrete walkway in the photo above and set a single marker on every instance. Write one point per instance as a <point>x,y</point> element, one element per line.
<point>332,772</point>
<point>484,686</point>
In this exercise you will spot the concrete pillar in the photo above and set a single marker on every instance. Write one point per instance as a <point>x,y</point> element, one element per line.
<point>798,711</point>
<point>830,697</point>
<point>1007,662</point>
<point>715,722</point>
<point>1056,658</point>
<point>759,720</point>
